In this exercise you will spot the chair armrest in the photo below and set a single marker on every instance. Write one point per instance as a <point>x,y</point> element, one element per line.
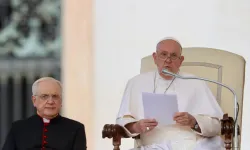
<point>227,129</point>
<point>116,132</point>
<point>113,131</point>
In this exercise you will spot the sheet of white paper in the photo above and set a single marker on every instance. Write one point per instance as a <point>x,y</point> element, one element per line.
<point>161,107</point>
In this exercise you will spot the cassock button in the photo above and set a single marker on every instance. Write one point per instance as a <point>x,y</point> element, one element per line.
<point>44,142</point>
<point>45,136</point>
<point>45,130</point>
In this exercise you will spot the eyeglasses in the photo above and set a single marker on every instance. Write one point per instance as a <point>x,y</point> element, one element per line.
<point>45,97</point>
<point>164,56</point>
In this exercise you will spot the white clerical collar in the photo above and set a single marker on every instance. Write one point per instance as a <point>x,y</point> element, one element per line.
<point>46,120</point>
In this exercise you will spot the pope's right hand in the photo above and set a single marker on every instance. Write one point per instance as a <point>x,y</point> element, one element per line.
<point>143,125</point>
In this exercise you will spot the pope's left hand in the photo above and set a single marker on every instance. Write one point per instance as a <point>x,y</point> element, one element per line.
<point>185,119</point>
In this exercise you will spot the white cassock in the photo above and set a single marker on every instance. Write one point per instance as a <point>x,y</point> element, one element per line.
<point>193,96</point>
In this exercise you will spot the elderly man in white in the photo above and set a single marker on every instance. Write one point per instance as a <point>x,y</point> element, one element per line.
<point>198,120</point>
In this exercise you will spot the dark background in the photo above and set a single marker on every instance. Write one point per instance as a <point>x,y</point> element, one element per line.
<point>18,74</point>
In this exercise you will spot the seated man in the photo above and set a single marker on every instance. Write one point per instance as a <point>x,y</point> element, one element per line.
<point>198,120</point>
<point>47,129</point>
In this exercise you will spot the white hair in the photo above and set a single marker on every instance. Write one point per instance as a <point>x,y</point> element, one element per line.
<point>169,38</point>
<point>36,83</point>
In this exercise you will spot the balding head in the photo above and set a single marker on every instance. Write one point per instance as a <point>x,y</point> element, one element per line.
<point>36,84</point>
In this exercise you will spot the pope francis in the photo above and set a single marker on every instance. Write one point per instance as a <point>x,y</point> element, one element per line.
<point>197,124</point>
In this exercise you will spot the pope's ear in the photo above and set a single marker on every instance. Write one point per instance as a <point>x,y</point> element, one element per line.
<point>182,58</point>
<point>154,56</point>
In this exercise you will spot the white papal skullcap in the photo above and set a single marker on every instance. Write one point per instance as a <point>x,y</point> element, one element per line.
<point>170,38</point>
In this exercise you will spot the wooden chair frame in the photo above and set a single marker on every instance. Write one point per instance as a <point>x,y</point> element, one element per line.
<point>116,132</point>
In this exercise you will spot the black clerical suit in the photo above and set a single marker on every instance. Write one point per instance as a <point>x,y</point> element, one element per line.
<point>33,133</point>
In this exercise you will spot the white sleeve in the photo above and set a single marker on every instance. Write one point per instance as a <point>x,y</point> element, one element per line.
<point>206,111</point>
<point>125,110</point>
<point>123,122</point>
<point>209,126</point>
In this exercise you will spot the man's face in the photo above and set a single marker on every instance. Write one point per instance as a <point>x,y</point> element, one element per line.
<point>168,56</point>
<point>47,100</point>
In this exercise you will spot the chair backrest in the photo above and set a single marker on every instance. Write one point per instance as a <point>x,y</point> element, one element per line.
<point>225,67</point>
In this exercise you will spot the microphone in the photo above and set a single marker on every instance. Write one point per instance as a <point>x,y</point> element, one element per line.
<point>236,105</point>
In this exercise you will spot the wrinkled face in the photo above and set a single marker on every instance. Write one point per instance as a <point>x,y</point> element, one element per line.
<point>168,56</point>
<point>47,100</point>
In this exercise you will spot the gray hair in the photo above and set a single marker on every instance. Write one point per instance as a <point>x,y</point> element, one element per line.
<point>171,39</point>
<point>36,83</point>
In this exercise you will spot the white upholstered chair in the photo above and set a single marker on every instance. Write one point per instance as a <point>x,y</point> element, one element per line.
<point>222,66</point>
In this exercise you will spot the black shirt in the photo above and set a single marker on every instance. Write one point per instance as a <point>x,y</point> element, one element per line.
<point>59,134</point>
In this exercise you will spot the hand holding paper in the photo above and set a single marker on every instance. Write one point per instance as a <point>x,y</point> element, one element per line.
<point>160,107</point>
<point>143,125</point>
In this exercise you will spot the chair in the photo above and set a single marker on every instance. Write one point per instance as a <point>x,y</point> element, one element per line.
<point>215,64</point>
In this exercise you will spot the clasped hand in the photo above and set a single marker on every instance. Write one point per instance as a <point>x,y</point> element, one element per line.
<point>144,125</point>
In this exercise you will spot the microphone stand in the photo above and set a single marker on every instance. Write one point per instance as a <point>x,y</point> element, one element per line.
<point>235,138</point>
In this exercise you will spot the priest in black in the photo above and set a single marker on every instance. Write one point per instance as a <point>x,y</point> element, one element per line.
<point>47,130</point>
